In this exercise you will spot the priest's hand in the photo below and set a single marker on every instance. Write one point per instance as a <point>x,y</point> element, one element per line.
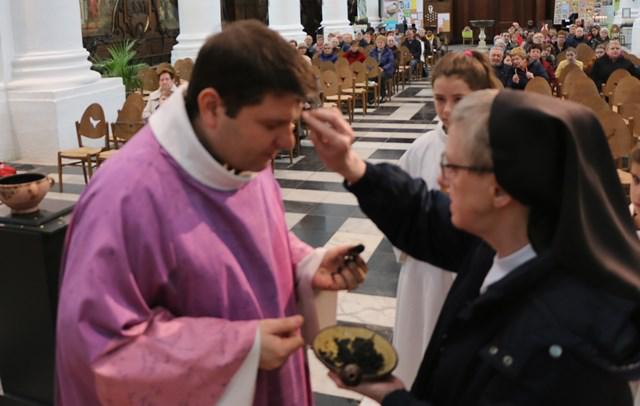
<point>376,390</point>
<point>334,273</point>
<point>279,338</point>
<point>332,138</point>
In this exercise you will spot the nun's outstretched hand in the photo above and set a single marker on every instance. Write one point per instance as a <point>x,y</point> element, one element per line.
<point>332,138</point>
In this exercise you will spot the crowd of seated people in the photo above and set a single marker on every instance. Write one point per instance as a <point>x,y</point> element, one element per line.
<point>546,52</point>
<point>382,45</point>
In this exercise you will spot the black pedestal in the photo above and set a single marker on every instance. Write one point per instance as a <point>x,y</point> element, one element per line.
<point>31,250</point>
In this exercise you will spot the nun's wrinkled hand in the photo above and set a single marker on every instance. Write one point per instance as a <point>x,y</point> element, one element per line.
<point>332,138</point>
<point>377,390</point>
<point>335,273</point>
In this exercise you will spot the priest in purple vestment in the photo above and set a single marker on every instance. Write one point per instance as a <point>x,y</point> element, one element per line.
<point>182,284</point>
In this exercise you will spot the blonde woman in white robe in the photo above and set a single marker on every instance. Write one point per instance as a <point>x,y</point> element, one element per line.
<point>422,288</point>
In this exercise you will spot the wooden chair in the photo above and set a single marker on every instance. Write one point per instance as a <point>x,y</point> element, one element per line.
<point>538,85</point>
<point>326,65</point>
<point>626,102</point>
<point>627,91</point>
<point>183,68</point>
<point>361,80</point>
<point>634,59</point>
<point>585,53</point>
<point>348,87</point>
<point>561,57</point>
<point>94,126</point>
<point>402,73</point>
<point>566,82</point>
<point>132,108</point>
<point>121,132</point>
<point>341,64</point>
<point>373,76</point>
<point>581,87</point>
<point>467,35</point>
<point>331,91</point>
<point>591,101</point>
<point>150,80</point>
<point>618,135</point>
<point>612,83</point>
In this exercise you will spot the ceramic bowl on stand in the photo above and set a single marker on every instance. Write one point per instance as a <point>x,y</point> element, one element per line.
<point>24,192</point>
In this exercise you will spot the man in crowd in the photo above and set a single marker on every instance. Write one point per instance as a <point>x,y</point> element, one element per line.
<point>414,47</point>
<point>578,38</point>
<point>611,61</point>
<point>535,56</point>
<point>561,42</point>
<point>496,57</point>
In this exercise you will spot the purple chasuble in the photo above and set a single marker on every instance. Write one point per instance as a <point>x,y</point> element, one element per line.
<point>165,279</point>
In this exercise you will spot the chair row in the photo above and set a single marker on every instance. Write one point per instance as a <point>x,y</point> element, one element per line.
<point>616,105</point>
<point>94,126</point>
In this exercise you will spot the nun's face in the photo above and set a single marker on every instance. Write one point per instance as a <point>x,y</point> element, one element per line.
<point>471,192</point>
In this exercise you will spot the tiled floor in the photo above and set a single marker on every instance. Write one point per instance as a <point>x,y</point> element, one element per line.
<point>321,212</point>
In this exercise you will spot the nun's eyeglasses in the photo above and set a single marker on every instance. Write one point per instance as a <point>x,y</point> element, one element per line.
<point>449,170</point>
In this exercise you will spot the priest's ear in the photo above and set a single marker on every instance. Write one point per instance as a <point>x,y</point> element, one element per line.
<point>210,107</point>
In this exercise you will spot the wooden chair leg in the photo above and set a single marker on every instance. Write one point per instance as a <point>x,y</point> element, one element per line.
<point>90,166</point>
<point>364,103</point>
<point>84,172</point>
<point>60,171</point>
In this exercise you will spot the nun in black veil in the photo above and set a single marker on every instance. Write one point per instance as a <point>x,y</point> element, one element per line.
<point>545,308</point>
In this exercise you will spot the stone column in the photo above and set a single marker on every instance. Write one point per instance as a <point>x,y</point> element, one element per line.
<point>198,20</point>
<point>335,17</point>
<point>373,12</point>
<point>284,17</point>
<point>635,37</point>
<point>8,150</point>
<point>51,80</point>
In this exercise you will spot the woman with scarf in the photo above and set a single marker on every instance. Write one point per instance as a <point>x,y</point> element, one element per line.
<point>546,303</point>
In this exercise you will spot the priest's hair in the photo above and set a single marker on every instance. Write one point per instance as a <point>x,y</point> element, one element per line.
<point>471,117</point>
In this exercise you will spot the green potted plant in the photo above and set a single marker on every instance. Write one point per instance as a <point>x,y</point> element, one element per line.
<point>120,63</point>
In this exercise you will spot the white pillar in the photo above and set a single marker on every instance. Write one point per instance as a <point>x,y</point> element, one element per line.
<point>373,12</point>
<point>335,17</point>
<point>8,150</point>
<point>51,81</point>
<point>284,17</point>
<point>198,20</point>
<point>635,37</point>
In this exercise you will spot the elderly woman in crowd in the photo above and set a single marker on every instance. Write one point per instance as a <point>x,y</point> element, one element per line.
<point>522,71</point>
<point>166,79</point>
<point>328,53</point>
<point>386,63</point>
<point>544,308</point>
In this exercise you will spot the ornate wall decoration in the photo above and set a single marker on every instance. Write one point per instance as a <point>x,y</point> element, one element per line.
<point>154,23</point>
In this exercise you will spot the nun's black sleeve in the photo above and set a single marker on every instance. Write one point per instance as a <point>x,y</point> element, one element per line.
<point>415,220</point>
<point>402,398</point>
